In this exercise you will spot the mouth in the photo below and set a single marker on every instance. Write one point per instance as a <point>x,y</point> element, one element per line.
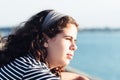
<point>69,56</point>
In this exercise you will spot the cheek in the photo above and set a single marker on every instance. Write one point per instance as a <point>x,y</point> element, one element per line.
<point>63,49</point>
<point>59,50</point>
<point>63,46</point>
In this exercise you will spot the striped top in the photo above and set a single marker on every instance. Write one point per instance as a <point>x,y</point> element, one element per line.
<point>26,68</point>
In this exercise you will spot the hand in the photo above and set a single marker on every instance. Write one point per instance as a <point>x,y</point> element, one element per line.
<point>72,76</point>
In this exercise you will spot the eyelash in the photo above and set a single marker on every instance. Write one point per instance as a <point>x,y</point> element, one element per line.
<point>71,39</point>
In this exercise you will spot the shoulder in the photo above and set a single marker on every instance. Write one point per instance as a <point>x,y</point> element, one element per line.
<point>36,73</point>
<point>36,70</point>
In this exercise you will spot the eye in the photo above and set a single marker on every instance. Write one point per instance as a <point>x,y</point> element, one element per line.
<point>67,38</point>
<point>71,39</point>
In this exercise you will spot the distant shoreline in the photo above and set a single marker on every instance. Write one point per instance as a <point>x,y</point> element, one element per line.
<point>81,30</point>
<point>100,30</point>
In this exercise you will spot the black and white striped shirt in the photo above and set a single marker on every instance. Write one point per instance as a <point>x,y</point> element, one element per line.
<point>26,68</point>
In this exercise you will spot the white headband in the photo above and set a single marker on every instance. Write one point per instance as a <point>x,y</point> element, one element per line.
<point>52,17</point>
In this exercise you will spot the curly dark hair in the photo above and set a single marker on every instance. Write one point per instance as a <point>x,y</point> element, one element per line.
<point>28,38</point>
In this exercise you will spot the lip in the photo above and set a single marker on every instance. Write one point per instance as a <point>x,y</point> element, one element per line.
<point>69,56</point>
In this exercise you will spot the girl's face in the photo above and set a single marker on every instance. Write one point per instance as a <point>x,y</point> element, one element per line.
<point>61,48</point>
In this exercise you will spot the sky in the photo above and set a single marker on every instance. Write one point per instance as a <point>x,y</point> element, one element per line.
<point>88,13</point>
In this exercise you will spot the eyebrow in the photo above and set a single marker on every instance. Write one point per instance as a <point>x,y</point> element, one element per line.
<point>70,37</point>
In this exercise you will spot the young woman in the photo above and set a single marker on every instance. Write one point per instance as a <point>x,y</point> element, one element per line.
<point>39,48</point>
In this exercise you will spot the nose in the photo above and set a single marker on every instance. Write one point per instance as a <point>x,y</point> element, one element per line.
<point>73,47</point>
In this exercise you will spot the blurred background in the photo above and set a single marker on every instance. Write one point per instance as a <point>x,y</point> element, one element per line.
<point>98,52</point>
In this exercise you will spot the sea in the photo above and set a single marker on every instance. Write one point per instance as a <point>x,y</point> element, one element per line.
<point>97,54</point>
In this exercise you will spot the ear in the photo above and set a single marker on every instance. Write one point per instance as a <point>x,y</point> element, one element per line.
<point>45,44</point>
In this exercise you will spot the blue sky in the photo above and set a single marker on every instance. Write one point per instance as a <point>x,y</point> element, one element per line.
<point>88,13</point>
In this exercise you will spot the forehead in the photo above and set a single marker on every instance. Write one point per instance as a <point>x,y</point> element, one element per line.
<point>70,30</point>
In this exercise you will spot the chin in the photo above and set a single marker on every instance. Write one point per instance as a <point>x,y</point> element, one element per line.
<point>65,63</point>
